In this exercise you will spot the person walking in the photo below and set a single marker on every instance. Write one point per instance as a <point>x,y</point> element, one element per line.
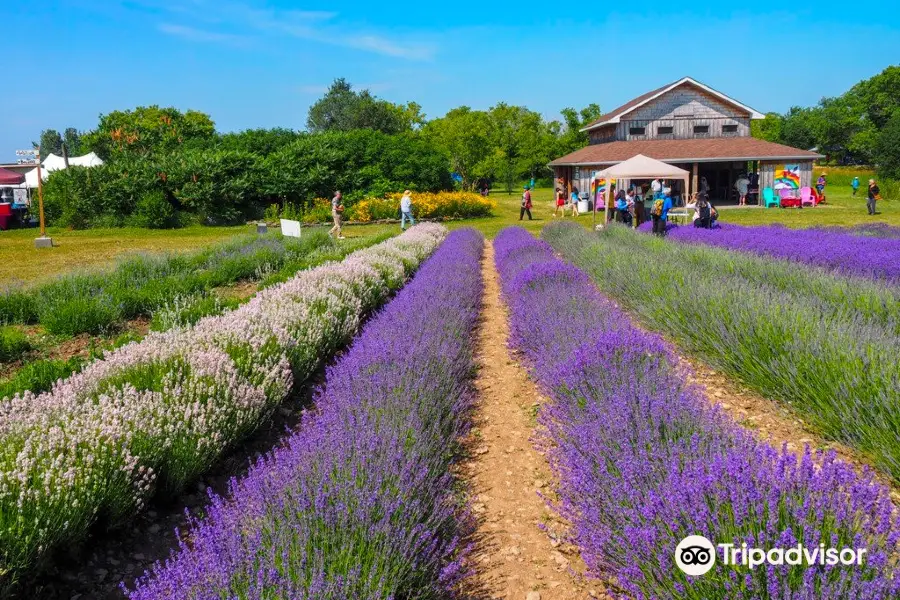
<point>406,210</point>
<point>820,184</point>
<point>855,185</point>
<point>574,200</point>
<point>526,204</point>
<point>874,196</point>
<point>560,202</point>
<point>742,185</point>
<point>337,213</point>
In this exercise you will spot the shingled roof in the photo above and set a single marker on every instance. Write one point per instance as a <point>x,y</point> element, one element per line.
<point>614,115</point>
<point>685,151</point>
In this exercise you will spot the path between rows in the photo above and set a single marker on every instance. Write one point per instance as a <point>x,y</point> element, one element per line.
<point>515,558</point>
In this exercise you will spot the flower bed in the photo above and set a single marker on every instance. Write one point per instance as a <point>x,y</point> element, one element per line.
<point>359,502</point>
<point>426,205</point>
<point>643,461</point>
<point>157,413</point>
<point>843,252</point>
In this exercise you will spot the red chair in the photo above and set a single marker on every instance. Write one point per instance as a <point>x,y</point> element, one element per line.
<point>6,215</point>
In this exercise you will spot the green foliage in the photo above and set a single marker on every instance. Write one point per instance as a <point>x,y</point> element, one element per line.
<point>154,211</point>
<point>183,311</point>
<point>342,109</point>
<point>17,305</point>
<point>463,135</point>
<point>51,143</point>
<point>12,344</point>
<point>72,140</point>
<point>257,141</point>
<point>39,376</point>
<point>148,130</point>
<point>72,315</point>
<point>887,150</point>
<point>848,128</point>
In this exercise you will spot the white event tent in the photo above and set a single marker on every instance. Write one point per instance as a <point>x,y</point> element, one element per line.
<point>57,163</point>
<point>638,167</point>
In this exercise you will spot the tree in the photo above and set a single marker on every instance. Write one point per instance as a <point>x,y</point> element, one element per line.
<point>768,129</point>
<point>342,109</point>
<point>887,150</point>
<point>464,135</point>
<point>148,130</point>
<point>51,142</point>
<point>72,139</point>
<point>572,137</point>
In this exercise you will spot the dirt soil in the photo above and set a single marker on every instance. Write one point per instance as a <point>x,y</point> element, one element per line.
<point>521,553</point>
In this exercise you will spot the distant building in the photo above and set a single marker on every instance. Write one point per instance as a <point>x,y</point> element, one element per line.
<point>692,126</point>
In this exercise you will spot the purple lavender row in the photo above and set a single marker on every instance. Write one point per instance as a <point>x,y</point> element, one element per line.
<point>643,461</point>
<point>154,415</point>
<point>845,253</point>
<point>359,502</point>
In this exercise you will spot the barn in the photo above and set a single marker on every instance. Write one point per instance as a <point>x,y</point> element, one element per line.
<point>690,125</point>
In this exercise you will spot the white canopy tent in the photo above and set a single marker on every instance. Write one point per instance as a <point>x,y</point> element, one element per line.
<point>638,167</point>
<point>55,163</point>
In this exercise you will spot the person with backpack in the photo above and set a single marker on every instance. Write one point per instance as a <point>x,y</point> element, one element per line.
<point>660,212</point>
<point>526,204</point>
<point>874,196</point>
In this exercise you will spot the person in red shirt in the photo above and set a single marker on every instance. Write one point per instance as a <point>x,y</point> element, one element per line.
<point>526,204</point>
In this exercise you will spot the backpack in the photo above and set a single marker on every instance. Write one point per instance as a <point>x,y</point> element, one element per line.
<point>657,209</point>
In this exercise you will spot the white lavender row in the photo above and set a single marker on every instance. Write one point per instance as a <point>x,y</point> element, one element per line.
<point>156,414</point>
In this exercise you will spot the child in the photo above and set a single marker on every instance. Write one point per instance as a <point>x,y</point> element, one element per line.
<point>560,202</point>
<point>855,185</point>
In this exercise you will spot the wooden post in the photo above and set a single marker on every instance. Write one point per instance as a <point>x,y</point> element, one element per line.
<point>695,182</point>
<point>37,157</point>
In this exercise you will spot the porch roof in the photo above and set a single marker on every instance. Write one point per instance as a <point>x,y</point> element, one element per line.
<point>685,151</point>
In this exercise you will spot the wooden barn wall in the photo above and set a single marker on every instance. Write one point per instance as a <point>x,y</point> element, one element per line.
<point>681,109</point>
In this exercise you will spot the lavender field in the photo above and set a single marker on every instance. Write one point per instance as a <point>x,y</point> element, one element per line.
<point>643,461</point>
<point>359,501</point>
<point>864,252</point>
<point>152,416</point>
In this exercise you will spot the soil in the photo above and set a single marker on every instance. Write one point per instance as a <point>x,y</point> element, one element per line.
<point>521,552</point>
<point>93,571</point>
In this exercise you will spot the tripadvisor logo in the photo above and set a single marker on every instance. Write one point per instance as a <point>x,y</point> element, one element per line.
<point>695,555</point>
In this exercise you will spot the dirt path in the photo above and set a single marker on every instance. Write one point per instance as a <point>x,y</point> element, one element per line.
<point>515,558</point>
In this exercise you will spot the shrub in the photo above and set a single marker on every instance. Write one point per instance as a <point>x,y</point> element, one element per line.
<point>154,211</point>
<point>39,376</point>
<point>17,305</point>
<point>187,310</point>
<point>12,344</point>
<point>80,314</point>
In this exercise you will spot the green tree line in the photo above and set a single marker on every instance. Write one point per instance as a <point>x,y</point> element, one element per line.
<point>861,126</point>
<point>165,167</point>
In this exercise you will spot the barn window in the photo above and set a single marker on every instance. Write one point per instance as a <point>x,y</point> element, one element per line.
<point>637,130</point>
<point>664,130</point>
<point>729,128</point>
<point>701,129</point>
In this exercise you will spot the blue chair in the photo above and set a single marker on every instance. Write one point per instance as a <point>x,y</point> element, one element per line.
<point>770,198</point>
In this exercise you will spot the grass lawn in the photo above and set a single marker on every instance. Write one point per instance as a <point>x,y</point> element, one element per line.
<point>74,250</point>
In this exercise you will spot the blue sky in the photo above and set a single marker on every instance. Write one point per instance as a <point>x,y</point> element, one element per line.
<point>258,63</point>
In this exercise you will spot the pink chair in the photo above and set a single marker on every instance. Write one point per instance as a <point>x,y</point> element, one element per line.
<point>806,197</point>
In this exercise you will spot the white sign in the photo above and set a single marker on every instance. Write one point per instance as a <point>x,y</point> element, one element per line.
<point>290,228</point>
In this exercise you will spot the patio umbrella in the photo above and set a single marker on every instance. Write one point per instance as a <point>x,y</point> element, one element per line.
<point>8,177</point>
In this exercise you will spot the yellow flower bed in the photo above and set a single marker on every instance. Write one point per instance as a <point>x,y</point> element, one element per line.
<point>425,205</point>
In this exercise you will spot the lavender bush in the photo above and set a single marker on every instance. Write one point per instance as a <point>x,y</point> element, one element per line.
<point>791,338</point>
<point>643,461</point>
<point>155,414</point>
<point>358,503</point>
<point>856,255</point>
